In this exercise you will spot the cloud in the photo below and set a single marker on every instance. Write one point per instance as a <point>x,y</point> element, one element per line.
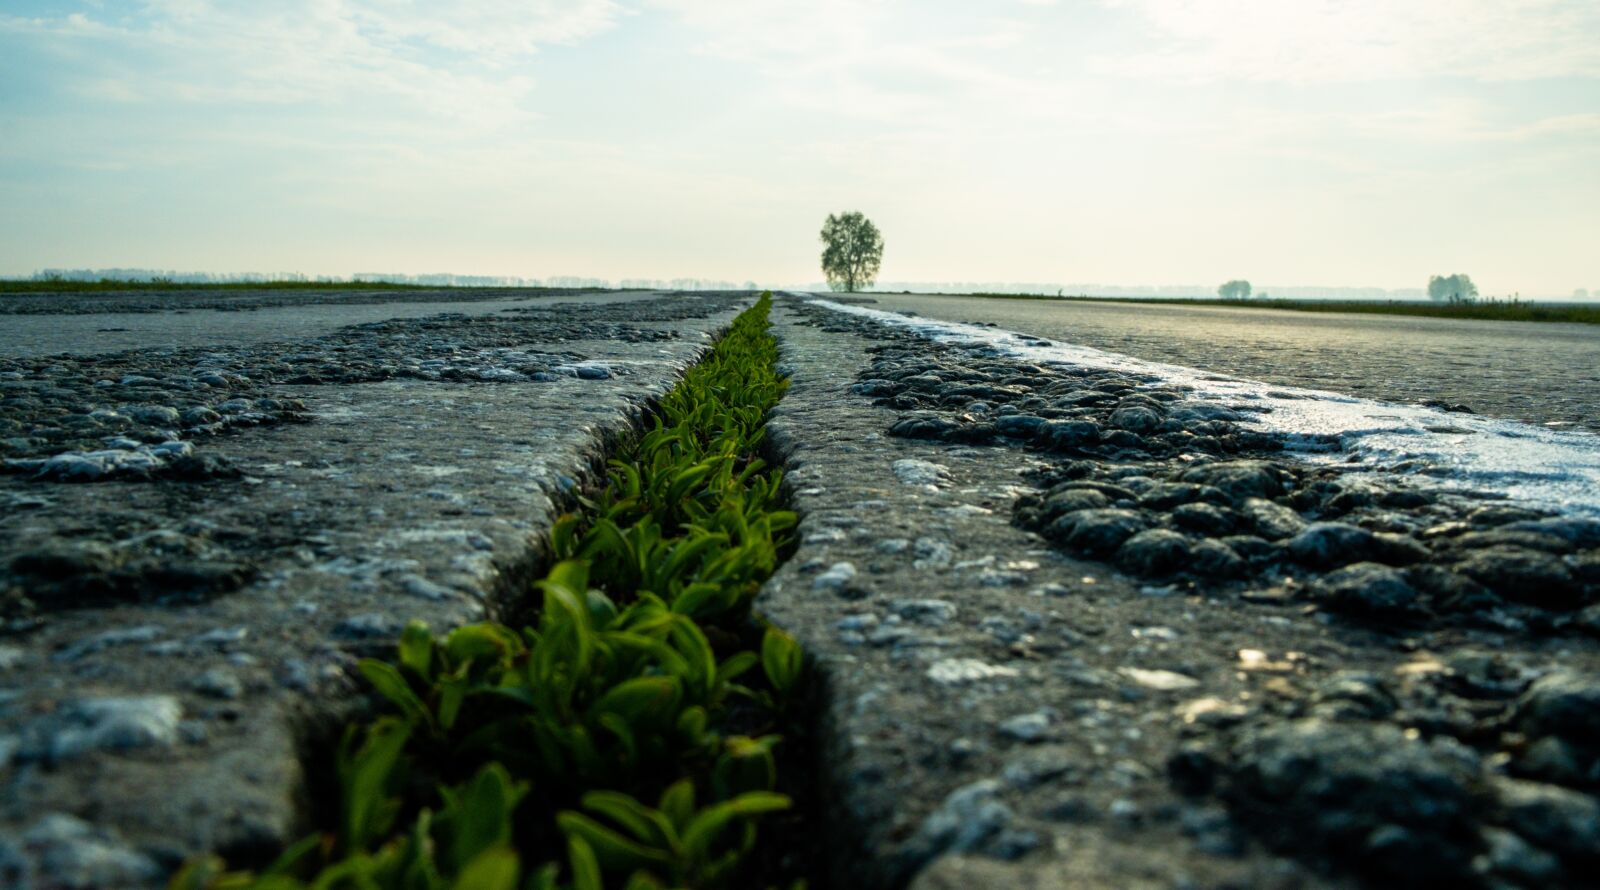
<point>889,62</point>
<point>1331,41</point>
<point>461,62</point>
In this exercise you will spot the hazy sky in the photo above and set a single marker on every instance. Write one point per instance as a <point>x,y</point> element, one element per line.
<point>1119,141</point>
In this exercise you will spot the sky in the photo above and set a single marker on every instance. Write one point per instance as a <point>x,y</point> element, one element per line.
<point>1335,142</point>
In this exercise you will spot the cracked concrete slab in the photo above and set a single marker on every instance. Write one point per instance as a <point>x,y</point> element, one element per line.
<point>171,644</point>
<point>1006,703</point>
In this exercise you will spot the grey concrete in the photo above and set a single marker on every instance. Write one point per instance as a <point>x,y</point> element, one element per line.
<point>182,640</point>
<point>38,333</point>
<point>998,711</point>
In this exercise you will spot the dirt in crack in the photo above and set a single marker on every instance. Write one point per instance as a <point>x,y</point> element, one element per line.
<point>636,734</point>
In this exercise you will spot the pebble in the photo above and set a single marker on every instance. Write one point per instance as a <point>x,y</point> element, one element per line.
<point>931,553</point>
<point>912,471</point>
<point>931,612</point>
<point>65,851</point>
<point>837,577</point>
<point>1160,680</point>
<point>90,725</point>
<point>219,683</point>
<point>965,819</point>
<point>143,633</point>
<point>1031,727</point>
<point>368,626</point>
<point>959,671</point>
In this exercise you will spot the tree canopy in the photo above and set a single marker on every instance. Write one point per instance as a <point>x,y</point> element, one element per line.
<point>852,251</point>
<point>1457,288</point>
<point>1237,289</point>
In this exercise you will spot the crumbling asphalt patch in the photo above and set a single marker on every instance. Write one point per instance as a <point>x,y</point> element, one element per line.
<point>138,415</point>
<point>149,299</point>
<point>1256,671</point>
<point>169,643</point>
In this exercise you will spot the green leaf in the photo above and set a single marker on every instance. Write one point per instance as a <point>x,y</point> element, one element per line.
<point>416,649</point>
<point>642,880</point>
<point>393,686</point>
<point>702,831</point>
<point>493,869</point>
<point>641,698</point>
<point>294,855</point>
<point>367,777</point>
<point>612,850</point>
<point>573,574</point>
<point>782,659</point>
<point>677,803</point>
<point>700,599</point>
<point>487,643</point>
<point>734,665</point>
<point>452,692</point>
<point>650,827</point>
<point>480,820</point>
<point>746,764</point>
<point>546,878</point>
<point>585,869</point>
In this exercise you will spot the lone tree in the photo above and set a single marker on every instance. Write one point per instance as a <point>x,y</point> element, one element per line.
<point>1457,288</point>
<point>1237,289</point>
<point>852,250</point>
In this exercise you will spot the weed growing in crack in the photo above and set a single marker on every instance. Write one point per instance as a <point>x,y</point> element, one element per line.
<point>627,738</point>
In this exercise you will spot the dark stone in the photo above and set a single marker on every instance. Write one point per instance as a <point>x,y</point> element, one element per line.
<point>1192,770</point>
<point>1563,703</point>
<point>1329,544</point>
<point>1311,784</point>
<point>1550,816</point>
<point>929,426</point>
<point>1154,552</point>
<point>1500,514</point>
<point>1098,532</point>
<point>1166,495</point>
<point>1068,433</point>
<point>1507,537</point>
<point>1018,426</point>
<point>1526,575</point>
<point>1240,479</point>
<point>1251,547</point>
<point>1367,589</point>
<point>63,561</point>
<point>1205,518</point>
<point>1270,520</point>
<point>1353,695</point>
<point>1449,591</point>
<point>1215,559</point>
<point>1576,532</point>
<point>1123,439</point>
<point>1071,500</point>
<point>1136,419</point>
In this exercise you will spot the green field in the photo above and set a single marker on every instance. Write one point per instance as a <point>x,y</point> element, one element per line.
<point>66,286</point>
<point>1483,310</point>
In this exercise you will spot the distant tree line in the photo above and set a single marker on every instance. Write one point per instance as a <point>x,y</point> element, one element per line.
<point>1237,289</point>
<point>1457,288</point>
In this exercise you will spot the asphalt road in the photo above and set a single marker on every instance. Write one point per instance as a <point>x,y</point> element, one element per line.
<point>1536,372</point>
<point>317,313</point>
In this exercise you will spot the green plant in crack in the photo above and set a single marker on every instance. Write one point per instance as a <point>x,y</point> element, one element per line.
<point>525,758</point>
